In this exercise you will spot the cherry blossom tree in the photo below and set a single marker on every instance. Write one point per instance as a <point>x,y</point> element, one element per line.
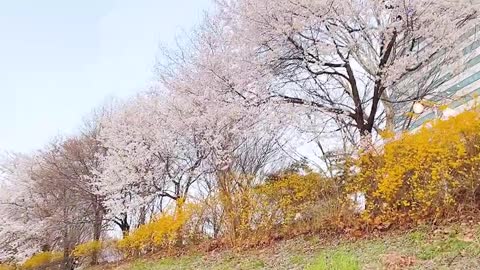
<point>165,141</point>
<point>41,210</point>
<point>21,232</point>
<point>72,162</point>
<point>150,156</point>
<point>48,200</point>
<point>358,62</point>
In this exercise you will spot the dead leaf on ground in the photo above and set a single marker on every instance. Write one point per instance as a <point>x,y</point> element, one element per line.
<point>466,237</point>
<point>395,261</point>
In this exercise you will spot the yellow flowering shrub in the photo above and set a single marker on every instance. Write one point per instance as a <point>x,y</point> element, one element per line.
<point>256,214</point>
<point>290,194</point>
<point>242,213</point>
<point>42,259</point>
<point>87,249</point>
<point>162,232</point>
<point>423,174</point>
<point>6,267</point>
<point>237,202</point>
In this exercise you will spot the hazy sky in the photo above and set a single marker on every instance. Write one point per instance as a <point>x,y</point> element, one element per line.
<point>59,59</point>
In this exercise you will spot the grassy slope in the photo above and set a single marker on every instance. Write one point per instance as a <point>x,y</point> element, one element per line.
<point>455,247</point>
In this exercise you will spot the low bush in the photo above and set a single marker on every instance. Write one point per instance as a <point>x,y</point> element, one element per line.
<point>290,195</point>
<point>6,267</point>
<point>422,175</point>
<point>244,214</point>
<point>299,202</point>
<point>163,231</point>
<point>42,259</point>
<point>286,204</point>
<point>87,249</point>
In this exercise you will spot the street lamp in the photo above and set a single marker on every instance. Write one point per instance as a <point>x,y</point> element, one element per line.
<point>418,108</point>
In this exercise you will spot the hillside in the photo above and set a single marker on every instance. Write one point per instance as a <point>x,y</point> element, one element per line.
<point>452,247</point>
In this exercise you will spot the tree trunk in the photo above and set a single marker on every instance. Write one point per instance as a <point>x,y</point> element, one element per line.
<point>389,113</point>
<point>97,229</point>
<point>67,260</point>
<point>230,210</point>
<point>125,227</point>
<point>143,216</point>
<point>123,224</point>
<point>67,264</point>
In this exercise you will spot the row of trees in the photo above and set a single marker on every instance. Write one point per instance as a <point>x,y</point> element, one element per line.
<point>235,101</point>
<point>48,198</point>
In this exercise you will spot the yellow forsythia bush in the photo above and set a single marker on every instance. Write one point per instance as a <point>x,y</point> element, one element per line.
<point>255,214</point>
<point>239,210</point>
<point>42,259</point>
<point>6,267</point>
<point>423,174</point>
<point>87,249</point>
<point>290,194</point>
<point>162,232</point>
<point>293,202</point>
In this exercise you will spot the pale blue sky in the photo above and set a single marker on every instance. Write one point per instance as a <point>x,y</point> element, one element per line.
<point>59,59</point>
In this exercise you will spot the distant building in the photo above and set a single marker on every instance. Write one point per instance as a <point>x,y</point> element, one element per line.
<point>458,85</point>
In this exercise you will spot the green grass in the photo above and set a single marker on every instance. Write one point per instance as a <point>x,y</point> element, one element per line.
<point>338,260</point>
<point>236,263</point>
<point>163,264</point>
<point>456,247</point>
<point>298,260</point>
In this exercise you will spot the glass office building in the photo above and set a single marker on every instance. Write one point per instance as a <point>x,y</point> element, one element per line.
<point>456,85</point>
